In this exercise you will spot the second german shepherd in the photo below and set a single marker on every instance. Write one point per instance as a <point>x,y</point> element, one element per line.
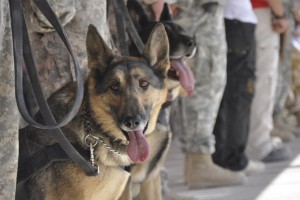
<point>121,103</point>
<point>145,179</point>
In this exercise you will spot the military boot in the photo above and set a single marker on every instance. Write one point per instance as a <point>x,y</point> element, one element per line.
<point>201,172</point>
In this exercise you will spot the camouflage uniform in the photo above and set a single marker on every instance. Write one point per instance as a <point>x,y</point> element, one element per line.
<point>9,116</point>
<point>209,68</point>
<point>53,61</point>
<point>284,80</point>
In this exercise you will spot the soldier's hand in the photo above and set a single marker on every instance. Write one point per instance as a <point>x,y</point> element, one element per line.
<point>280,25</point>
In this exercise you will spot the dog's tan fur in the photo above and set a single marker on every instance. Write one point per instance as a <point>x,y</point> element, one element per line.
<point>65,180</point>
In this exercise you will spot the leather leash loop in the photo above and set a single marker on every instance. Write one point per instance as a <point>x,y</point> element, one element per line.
<point>41,100</point>
<point>21,48</point>
<point>120,7</point>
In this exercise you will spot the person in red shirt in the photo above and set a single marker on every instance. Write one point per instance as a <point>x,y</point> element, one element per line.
<point>271,22</point>
<point>260,3</point>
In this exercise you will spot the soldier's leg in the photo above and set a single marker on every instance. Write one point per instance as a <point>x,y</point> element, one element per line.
<point>9,117</point>
<point>283,128</point>
<point>209,68</point>
<point>232,124</point>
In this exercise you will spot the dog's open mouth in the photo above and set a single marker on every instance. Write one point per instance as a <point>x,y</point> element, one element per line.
<point>138,147</point>
<point>180,71</point>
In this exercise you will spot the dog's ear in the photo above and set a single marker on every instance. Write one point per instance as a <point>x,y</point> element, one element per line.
<point>99,54</point>
<point>157,49</point>
<point>165,14</point>
<point>137,14</point>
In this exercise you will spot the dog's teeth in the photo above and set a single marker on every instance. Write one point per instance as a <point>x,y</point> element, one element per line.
<point>120,141</point>
<point>124,142</point>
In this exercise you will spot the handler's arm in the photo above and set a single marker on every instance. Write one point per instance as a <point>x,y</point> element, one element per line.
<point>276,7</point>
<point>156,6</point>
<point>280,21</point>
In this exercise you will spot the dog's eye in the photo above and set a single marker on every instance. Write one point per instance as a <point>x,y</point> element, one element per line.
<point>115,88</point>
<point>143,83</point>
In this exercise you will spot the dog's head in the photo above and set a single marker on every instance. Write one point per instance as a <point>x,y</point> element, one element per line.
<point>181,44</point>
<point>126,93</point>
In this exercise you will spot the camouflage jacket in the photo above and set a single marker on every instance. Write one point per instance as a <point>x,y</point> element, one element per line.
<point>52,59</point>
<point>9,116</point>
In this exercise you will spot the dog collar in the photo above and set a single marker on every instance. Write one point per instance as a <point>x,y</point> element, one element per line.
<point>90,139</point>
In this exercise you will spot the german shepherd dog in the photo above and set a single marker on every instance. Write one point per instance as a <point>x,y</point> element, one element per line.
<point>145,179</point>
<point>122,100</point>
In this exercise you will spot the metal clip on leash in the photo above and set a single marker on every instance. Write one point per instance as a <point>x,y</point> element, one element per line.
<point>91,145</point>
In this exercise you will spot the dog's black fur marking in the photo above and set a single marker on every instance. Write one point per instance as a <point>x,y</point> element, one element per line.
<point>144,27</point>
<point>158,156</point>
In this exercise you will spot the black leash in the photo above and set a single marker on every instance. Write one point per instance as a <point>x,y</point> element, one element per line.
<point>122,16</point>
<point>121,30</point>
<point>22,49</point>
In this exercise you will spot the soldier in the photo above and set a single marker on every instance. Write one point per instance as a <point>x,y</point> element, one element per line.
<point>232,124</point>
<point>204,19</point>
<point>271,20</point>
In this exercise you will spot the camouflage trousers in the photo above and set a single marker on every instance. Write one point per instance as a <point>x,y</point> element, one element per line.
<point>209,67</point>
<point>296,71</point>
<point>284,80</point>
<point>9,116</point>
<point>283,83</point>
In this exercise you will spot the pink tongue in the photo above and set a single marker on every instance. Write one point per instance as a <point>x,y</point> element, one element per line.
<point>186,77</point>
<point>138,147</point>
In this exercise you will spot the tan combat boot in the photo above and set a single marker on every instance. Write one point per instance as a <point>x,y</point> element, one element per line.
<point>201,172</point>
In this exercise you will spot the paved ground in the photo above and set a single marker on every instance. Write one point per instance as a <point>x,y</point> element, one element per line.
<point>280,181</point>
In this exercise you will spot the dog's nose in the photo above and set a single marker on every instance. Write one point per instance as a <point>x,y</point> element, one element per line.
<point>132,121</point>
<point>190,42</point>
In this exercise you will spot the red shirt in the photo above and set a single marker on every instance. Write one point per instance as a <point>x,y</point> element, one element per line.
<point>260,3</point>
